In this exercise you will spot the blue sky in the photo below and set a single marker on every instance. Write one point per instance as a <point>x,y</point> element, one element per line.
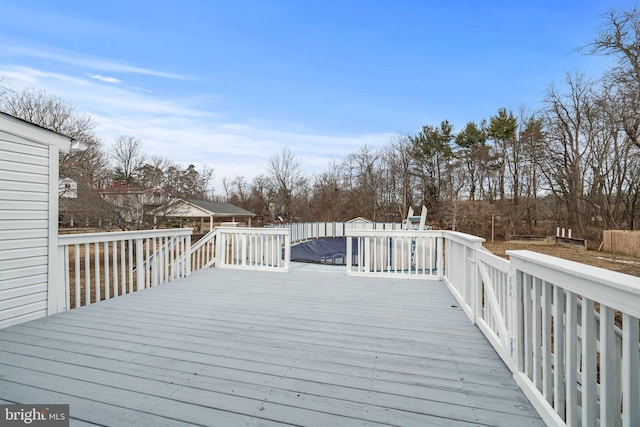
<point>230,83</point>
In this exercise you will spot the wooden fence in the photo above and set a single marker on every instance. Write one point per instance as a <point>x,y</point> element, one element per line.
<point>625,242</point>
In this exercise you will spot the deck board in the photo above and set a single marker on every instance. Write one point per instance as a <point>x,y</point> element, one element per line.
<point>228,347</point>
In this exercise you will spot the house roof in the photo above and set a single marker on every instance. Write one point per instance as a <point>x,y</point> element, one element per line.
<point>200,208</point>
<point>221,209</point>
<point>33,132</point>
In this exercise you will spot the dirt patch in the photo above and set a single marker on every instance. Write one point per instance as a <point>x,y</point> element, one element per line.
<point>621,263</point>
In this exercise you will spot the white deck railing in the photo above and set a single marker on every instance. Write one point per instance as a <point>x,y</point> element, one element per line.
<point>578,354</point>
<point>567,331</point>
<point>203,252</point>
<point>411,254</point>
<point>301,231</point>
<point>97,266</point>
<point>253,248</point>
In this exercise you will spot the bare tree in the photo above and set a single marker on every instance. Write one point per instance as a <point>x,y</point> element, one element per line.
<point>568,133</point>
<point>236,190</point>
<point>51,112</point>
<point>240,188</point>
<point>329,195</point>
<point>261,199</point>
<point>366,172</point>
<point>532,139</point>
<point>286,174</point>
<point>127,158</point>
<point>398,158</point>
<point>620,38</point>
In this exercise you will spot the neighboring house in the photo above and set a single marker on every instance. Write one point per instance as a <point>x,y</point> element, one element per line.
<point>82,206</point>
<point>29,158</point>
<point>134,202</point>
<point>67,188</point>
<point>202,211</point>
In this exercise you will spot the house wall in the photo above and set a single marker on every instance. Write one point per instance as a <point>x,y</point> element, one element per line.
<point>26,226</point>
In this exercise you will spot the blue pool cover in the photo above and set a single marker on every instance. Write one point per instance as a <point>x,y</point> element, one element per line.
<point>323,251</point>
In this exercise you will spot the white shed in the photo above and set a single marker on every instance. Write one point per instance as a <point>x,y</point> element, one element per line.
<point>29,158</point>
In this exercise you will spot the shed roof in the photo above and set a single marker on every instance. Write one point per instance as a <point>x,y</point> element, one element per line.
<point>359,219</point>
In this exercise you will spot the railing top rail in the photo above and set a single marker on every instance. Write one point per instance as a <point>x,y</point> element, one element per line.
<point>463,238</point>
<point>75,239</point>
<point>204,240</point>
<point>493,260</point>
<point>616,290</point>
<point>250,230</point>
<point>383,233</point>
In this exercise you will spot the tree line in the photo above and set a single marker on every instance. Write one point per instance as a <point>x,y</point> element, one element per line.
<point>574,162</point>
<point>96,170</point>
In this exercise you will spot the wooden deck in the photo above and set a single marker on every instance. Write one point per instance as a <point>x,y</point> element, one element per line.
<point>236,348</point>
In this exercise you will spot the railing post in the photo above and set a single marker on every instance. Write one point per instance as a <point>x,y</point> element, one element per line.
<point>476,284</point>
<point>58,283</point>
<point>630,382</point>
<point>243,250</point>
<point>367,253</point>
<point>287,250</point>
<point>140,269</point>
<point>440,255</point>
<point>517,317</point>
<point>186,256</point>
<point>349,253</point>
<point>220,249</point>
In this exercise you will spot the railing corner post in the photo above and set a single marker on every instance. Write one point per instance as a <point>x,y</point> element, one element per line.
<point>517,316</point>
<point>476,284</point>
<point>58,283</point>
<point>440,265</point>
<point>287,249</point>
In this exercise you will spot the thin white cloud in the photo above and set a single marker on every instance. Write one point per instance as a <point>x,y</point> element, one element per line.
<point>181,131</point>
<point>105,79</point>
<point>26,76</point>
<point>100,64</point>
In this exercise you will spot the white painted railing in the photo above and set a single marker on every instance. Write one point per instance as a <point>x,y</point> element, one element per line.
<point>402,253</point>
<point>203,252</point>
<point>301,231</point>
<point>97,266</point>
<point>460,272</point>
<point>578,355</point>
<point>567,331</point>
<point>494,313</point>
<point>253,248</point>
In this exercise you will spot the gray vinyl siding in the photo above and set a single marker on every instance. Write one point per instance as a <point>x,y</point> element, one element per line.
<point>24,229</point>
